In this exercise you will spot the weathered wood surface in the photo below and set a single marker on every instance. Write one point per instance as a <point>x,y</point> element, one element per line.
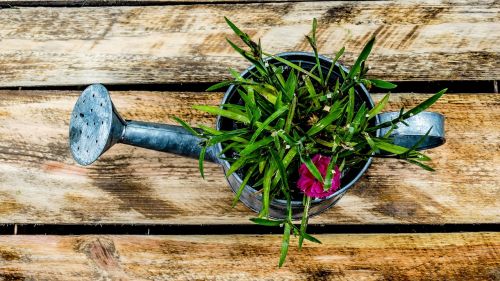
<point>457,256</point>
<point>431,40</point>
<point>40,183</point>
<point>127,2</point>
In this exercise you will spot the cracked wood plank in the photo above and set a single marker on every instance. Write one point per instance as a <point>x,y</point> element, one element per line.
<point>417,40</point>
<point>40,183</point>
<point>451,256</point>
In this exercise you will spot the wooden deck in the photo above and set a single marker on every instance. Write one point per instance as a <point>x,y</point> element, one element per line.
<point>397,223</point>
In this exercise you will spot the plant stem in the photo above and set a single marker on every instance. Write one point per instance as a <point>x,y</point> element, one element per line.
<point>305,218</point>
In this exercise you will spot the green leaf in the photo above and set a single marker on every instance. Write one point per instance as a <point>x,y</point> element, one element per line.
<point>370,142</point>
<point>362,57</point>
<point>327,184</point>
<point>360,117</point>
<point>266,123</point>
<point>236,146</point>
<point>209,130</point>
<point>278,73</point>
<point>281,168</point>
<point>314,27</point>
<point>236,108</point>
<point>269,93</point>
<point>350,106</point>
<point>334,114</point>
<point>421,165</point>
<point>282,134</point>
<point>382,84</point>
<point>235,28</point>
<point>377,108</point>
<point>187,127</point>
<point>389,147</point>
<point>266,191</point>
<point>256,145</point>
<point>247,56</point>
<point>266,222</point>
<point>337,56</point>
<point>286,161</point>
<point>201,159</point>
<point>291,84</point>
<point>222,112</point>
<point>305,218</point>
<point>310,238</point>
<point>284,244</point>
<point>311,167</point>
<point>291,114</point>
<point>219,85</point>
<point>424,105</point>
<point>420,141</point>
<point>236,165</point>
<point>296,67</point>
<point>311,90</point>
<point>225,136</point>
<point>262,165</point>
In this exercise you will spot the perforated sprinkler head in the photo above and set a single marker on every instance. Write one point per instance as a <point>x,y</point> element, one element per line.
<point>94,126</point>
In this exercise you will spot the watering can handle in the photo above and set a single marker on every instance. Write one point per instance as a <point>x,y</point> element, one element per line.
<point>164,137</point>
<point>418,125</point>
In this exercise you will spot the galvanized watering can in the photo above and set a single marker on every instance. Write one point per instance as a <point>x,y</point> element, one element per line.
<point>95,126</point>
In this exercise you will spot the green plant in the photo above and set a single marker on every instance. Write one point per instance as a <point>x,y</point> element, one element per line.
<point>287,115</point>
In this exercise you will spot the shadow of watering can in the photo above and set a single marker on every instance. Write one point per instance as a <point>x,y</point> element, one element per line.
<point>95,126</point>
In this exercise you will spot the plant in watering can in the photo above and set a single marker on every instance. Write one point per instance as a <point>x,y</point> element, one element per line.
<point>298,129</point>
<point>294,132</point>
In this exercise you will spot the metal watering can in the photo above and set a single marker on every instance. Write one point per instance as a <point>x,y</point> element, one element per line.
<point>95,126</point>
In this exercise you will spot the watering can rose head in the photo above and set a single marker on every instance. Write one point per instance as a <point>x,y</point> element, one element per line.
<point>311,186</point>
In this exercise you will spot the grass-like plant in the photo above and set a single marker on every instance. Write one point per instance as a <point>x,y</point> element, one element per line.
<point>297,130</point>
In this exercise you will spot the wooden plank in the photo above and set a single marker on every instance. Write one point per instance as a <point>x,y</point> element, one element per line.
<point>186,43</point>
<point>40,183</point>
<point>126,2</point>
<point>454,256</point>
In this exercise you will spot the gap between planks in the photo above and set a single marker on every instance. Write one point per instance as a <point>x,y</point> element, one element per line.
<point>169,229</point>
<point>424,87</point>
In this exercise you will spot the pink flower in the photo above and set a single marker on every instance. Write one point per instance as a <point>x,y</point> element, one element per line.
<point>310,185</point>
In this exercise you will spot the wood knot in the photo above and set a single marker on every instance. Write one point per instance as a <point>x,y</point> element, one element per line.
<point>101,251</point>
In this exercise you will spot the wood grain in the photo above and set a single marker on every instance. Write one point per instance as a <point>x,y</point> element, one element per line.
<point>40,183</point>
<point>83,3</point>
<point>457,256</point>
<point>429,40</point>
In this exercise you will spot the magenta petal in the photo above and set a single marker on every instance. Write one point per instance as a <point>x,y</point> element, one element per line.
<point>310,185</point>
<point>316,158</point>
<point>317,188</point>
<point>305,184</point>
<point>302,169</point>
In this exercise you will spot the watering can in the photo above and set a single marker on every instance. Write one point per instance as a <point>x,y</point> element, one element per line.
<point>96,125</point>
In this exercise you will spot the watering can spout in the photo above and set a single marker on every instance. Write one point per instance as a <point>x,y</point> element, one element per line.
<point>95,126</point>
